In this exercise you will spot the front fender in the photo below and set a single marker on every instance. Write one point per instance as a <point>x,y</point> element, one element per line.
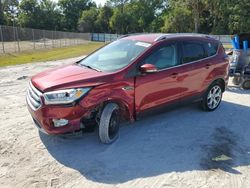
<point>115,92</point>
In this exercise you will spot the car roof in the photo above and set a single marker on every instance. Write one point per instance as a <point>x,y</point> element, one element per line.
<point>155,37</point>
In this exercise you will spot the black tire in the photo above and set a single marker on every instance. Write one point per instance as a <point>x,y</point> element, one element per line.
<point>209,102</point>
<point>109,123</point>
<point>246,85</point>
<point>237,80</point>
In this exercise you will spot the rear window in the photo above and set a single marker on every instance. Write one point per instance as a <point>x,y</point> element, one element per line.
<point>193,51</point>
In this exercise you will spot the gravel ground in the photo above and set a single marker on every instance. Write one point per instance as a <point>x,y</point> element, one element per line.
<point>184,147</point>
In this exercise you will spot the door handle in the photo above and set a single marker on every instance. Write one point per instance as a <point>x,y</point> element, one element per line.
<point>208,65</point>
<point>174,75</point>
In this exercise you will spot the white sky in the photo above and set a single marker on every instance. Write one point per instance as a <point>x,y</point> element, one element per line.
<point>102,2</point>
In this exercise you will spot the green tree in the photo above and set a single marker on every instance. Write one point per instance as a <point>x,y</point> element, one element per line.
<point>122,23</point>
<point>216,16</point>
<point>130,16</point>
<point>2,20</point>
<point>178,20</point>
<point>197,7</point>
<point>239,19</point>
<point>87,21</point>
<point>121,20</point>
<point>40,15</point>
<point>10,10</point>
<point>192,8</point>
<point>226,16</point>
<point>30,14</point>
<point>157,24</point>
<point>144,13</point>
<point>50,14</point>
<point>103,19</point>
<point>135,15</point>
<point>118,4</point>
<point>72,11</point>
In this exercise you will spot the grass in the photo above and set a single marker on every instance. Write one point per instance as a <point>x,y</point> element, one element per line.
<point>228,46</point>
<point>48,54</point>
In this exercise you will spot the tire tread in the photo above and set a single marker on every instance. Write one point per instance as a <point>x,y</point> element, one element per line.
<point>104,123</point>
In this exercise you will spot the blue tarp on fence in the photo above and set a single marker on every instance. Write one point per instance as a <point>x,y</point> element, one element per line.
<point>104,37</point>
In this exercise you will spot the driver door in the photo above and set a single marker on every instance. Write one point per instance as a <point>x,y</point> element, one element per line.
<point>163,86</point>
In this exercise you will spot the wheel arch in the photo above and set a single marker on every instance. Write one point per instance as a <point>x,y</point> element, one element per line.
<point>220,81</point>
<point>126,112</point>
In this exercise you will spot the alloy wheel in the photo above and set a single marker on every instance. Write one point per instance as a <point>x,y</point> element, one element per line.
<point>214,97</point>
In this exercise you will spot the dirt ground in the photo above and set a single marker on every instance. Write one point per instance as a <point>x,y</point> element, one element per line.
<point>184,147</point>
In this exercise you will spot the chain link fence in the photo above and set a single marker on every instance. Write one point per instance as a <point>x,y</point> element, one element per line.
<point>17,39</point>
<point>226,40</point>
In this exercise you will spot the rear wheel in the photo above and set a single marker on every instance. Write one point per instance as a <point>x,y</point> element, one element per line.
<point>213,97</point>
<point>109,123</point>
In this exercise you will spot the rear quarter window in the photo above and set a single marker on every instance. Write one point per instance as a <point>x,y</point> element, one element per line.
<point>211,48</point>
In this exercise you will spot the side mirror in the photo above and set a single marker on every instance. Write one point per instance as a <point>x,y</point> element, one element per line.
<point>148,68</point>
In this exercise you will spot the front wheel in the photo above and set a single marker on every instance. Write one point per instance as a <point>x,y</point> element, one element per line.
<point>212,98</point>
<point>109,123</point>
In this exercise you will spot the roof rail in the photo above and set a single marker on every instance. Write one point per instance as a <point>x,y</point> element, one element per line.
<point>165,36</point>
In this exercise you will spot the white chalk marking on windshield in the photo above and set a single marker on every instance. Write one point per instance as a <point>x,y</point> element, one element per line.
<point>143,44</point>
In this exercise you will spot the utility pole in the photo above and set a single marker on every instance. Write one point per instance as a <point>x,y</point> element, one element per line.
<point>13,12</point>
<point>2,39</point>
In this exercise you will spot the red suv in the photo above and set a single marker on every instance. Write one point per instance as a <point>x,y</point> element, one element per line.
<point>126,78</point>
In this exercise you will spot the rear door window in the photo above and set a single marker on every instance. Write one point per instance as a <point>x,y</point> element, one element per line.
<point>192,51</point>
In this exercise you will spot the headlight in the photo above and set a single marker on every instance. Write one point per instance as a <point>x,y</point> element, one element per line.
<point>65,96</point>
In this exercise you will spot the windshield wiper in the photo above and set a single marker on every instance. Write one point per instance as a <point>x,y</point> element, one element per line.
<point>88,66</point>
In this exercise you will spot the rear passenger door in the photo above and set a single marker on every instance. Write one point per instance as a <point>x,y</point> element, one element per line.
<point>196,67</point>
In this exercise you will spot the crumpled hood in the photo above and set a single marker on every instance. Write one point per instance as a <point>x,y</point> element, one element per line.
<point>70,76</point>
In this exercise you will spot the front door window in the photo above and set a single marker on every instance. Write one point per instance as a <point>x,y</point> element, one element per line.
<point>164,57</point>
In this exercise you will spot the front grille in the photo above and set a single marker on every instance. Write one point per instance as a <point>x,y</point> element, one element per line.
<point>34,97</point>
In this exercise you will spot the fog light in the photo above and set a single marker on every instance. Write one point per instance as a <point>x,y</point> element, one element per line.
<point>60,122</point>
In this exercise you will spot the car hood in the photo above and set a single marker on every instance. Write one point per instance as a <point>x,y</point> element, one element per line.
<point>70,76</point>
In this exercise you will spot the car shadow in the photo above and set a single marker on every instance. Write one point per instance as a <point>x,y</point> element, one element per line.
<point>237,89</point>
<point>180,140</point>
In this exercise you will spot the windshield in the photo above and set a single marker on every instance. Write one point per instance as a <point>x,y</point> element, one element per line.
<point>115,56</point>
